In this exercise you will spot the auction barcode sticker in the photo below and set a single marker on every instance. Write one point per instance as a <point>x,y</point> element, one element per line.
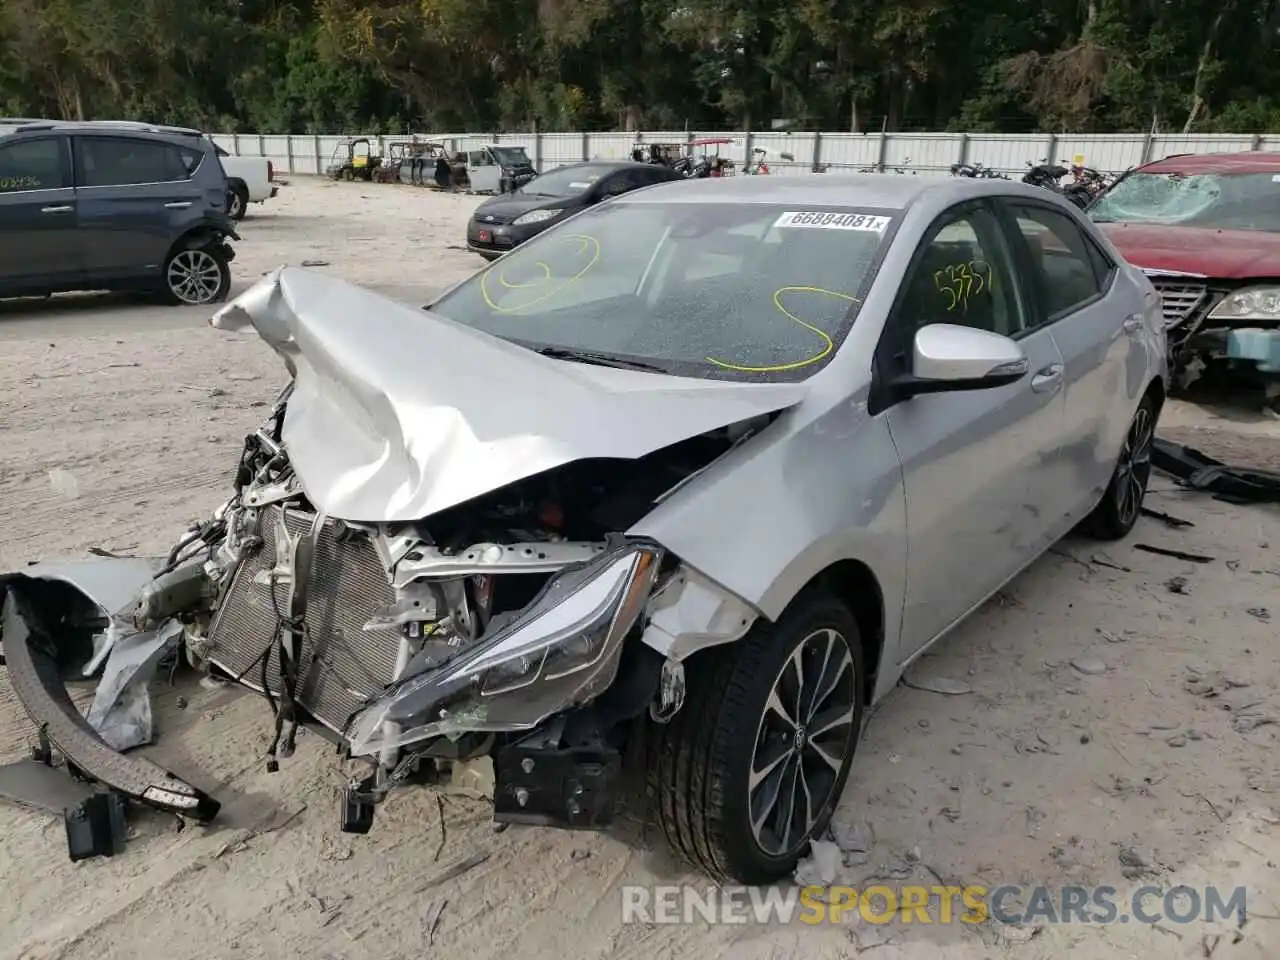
<point>826,220</point>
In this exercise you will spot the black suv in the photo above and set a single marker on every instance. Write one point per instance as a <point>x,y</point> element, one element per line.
<point>109,206</point>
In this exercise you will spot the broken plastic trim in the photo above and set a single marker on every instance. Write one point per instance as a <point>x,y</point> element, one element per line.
<point>34,675</point>
<point>1194,469</point>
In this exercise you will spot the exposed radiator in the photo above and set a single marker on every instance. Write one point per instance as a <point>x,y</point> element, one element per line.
<point>340,665</point>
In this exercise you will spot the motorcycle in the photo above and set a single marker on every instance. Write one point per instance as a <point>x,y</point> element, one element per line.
<point>1085,185</point>
<point>976,171</point>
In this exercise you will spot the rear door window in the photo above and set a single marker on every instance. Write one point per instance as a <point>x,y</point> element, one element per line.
<point>1070,270</point>
<point>33,165</point>
<point>121,161</point>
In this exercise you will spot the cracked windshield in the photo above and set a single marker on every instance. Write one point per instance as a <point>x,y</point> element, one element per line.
<point>731,291</point>
<point>1236,201</point>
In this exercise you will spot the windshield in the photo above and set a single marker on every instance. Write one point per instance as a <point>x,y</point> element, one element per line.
<point>564,181</point>
<point>729,291</point>
<point>512,156</point>
<point>1230,201</point>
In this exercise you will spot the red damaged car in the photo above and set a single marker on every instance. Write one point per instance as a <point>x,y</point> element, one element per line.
<point>1206,229</point>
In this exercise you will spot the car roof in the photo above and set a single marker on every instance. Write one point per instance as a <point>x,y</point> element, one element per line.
<point>608,163</point>
<point>1249,161</point>
<point>875,190</point>
<point>103,127</point>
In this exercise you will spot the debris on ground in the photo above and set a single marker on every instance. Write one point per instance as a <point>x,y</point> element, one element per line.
<point>821,866</point>
<point>1195,470</point>
<point>1170,521</point>
<point>1090,666</point>
<point>1175,554</point>
<point>934,684</point>
<point>1209,685</point>
<point>852,837</point>
<point>1133,865</point>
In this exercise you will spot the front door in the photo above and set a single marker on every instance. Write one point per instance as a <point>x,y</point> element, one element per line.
<point>1094,314</point>
<point>974,463</point>
<point>133,193</point>
<point>39,243</point>
<point>483,172</point>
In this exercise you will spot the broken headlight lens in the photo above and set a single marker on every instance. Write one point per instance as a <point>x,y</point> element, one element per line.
<point>1251,303</point>
<point>561,651</point>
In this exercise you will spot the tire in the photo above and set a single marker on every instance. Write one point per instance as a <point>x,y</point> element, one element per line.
<point>348,174</point>
<point>1120,507</point>
<point>208,274</point>
<point>700,765</point>
<point>237,200</point>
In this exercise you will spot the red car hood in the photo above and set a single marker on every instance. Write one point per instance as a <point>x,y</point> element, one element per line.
<point>1223,254</point>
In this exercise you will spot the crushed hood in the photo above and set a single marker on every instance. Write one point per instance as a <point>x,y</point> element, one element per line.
<point>398,413</point>
<point>1198,251</point>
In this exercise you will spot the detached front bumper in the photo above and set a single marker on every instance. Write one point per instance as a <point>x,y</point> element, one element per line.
<point>33,644</point>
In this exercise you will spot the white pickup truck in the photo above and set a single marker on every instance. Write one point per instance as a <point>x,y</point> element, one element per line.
<point>249,180</point>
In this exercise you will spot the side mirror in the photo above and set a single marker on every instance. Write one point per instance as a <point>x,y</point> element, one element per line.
<point>947,358</point>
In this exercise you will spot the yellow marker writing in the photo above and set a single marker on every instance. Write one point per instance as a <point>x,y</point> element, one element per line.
<point>585,245</point>
<point>828,345</point>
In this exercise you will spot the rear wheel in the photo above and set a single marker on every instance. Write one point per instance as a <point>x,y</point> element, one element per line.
<point>1115,516</point>
<point>237,200</point>
<point>752,767</point>
<point>196,276</point>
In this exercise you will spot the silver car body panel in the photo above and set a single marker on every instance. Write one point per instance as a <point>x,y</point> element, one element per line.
<point>397,414</point>
<point>917,491</point>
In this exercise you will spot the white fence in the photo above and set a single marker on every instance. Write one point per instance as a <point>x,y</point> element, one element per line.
<point>923,152</point>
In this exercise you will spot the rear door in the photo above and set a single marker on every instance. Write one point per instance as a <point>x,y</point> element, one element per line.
<point>38,238</point>
<point>1095,317</point>
<point>136,197</point>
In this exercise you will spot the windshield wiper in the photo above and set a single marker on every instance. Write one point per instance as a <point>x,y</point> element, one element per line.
<point>599,359</point>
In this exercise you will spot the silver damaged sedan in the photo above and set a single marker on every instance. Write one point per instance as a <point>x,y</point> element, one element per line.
<point>650,509</point>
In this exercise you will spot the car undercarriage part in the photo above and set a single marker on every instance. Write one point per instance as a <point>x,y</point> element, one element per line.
<point>31,653</point>
<point>574,788</point>
<point>1193,469</point>
<point>96,828</point>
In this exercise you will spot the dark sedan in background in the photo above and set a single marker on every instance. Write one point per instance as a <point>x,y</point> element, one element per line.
<point>508,220</point>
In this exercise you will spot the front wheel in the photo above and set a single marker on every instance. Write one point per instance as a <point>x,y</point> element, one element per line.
<point>197,276</point>
<point>752,767</point>
<point>1116,514</point>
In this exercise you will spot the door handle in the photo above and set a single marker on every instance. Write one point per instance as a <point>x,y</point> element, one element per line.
<point>1047,379</point>
<point>62,209</point>
<point>1133,323</point>
<point>178,205</point>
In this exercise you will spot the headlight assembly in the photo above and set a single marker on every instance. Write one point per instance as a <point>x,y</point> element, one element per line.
<point>562,650</point>
<point>1250,303</point>
<point>536,216</point>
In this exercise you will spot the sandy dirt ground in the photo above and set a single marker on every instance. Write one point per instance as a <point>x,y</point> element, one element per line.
<point>1120,725</point>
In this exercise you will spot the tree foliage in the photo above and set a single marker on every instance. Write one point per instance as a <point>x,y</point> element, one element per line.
<point>313,66</point>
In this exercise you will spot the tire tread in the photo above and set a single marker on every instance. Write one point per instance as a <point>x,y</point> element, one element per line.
<point>691,768</point>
